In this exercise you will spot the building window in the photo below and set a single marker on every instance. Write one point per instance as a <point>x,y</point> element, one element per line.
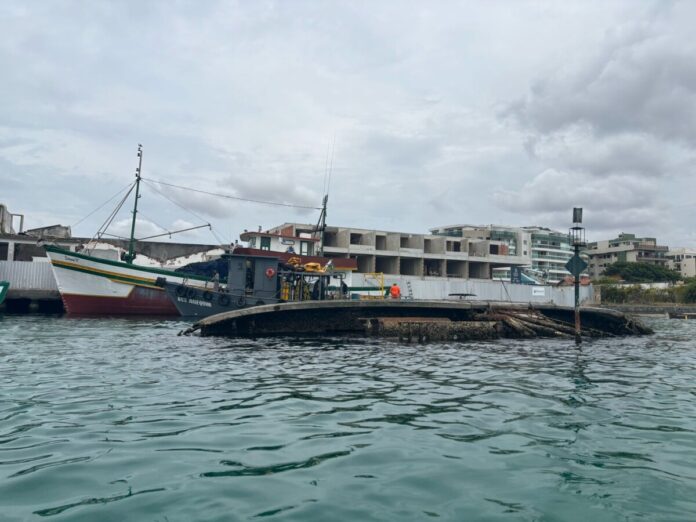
<point>265,243</point>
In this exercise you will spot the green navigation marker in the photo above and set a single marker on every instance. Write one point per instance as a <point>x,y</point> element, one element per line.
<point>576,265</point>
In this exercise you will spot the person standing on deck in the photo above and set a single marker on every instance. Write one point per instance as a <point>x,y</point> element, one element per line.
<point>395,291</point>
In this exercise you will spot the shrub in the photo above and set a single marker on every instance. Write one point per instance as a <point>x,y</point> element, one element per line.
<point>636,295</point>
<point>641,273</point>
<point>688,292</point>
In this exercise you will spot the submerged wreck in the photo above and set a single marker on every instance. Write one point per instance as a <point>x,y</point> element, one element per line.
<point>414,320</point>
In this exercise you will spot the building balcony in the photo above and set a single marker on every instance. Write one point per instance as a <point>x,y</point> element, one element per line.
<point>411,252</point>
<point>551,246</point>
<point>335,249</point>
<point>561,257</point>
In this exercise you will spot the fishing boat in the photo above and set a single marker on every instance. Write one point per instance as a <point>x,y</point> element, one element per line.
<point>91,285</point>
<point>4,287</point>
<point>254,280</point>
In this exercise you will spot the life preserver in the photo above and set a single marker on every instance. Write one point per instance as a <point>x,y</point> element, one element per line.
<point>241,301</point>
<point>181,290</point>
<point>270,272</point>
<point>208,295</point>
<point>191,293</point>
<point>313,267</point>
<point>224,300</point>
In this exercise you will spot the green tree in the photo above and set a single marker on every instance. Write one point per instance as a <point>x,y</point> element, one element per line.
<point>689,292</point>
<point>641,273</point>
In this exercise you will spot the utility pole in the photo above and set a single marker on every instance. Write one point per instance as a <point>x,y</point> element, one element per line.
<point>576,265</point>
<point>131,244</point>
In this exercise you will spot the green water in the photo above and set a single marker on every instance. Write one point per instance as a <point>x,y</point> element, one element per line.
<point>105,420</point>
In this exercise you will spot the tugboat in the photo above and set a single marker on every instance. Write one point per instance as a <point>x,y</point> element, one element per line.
<point>254,281</point>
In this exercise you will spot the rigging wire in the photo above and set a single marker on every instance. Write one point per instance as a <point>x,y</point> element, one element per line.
<point>102,205</point>
<point>102,229</point>
<point>328,183</point>
<point>227,196</point>
<point>212,231</point>
<point>153,222</point>
<point>326,169</point>
<point>113,214</point>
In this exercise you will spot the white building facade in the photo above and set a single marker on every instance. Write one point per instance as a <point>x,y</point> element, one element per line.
<point>625,248</point>
<point>682,260</point>
<point>544,251</point>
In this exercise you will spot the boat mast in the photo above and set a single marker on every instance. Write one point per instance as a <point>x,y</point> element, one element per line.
<point>322,225</point>
<point>131,245</point>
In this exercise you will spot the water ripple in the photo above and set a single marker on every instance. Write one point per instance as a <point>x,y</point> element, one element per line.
<point>104,500</point>
<point>123,420</point>
<point>272,469</point>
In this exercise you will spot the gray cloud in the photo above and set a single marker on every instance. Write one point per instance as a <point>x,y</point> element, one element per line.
<point>615,131</point>
<point>243,98</point>
<point>557,191</point>
<point>577,148</point>
<point>641,80</point>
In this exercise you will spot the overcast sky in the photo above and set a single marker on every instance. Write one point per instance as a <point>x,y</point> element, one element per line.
<point>505,112</point>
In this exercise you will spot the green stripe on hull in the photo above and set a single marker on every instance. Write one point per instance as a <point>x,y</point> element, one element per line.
<point>121,278</point>
<point>119,264</point>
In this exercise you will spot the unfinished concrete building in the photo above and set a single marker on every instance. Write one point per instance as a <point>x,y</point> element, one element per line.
<point>407,254</point>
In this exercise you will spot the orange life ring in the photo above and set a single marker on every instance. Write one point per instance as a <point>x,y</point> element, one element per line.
<point>270,272</point>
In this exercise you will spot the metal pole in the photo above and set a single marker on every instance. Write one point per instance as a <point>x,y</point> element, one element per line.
<point>578,337</point>
<point>323,225</point>
<point>131,245</point>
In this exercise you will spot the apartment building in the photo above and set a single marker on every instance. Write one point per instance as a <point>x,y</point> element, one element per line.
<point>544,250</point>
<point>549,252</point>
<point>682,260</point>
<point>625,248</point>
<point>400,253</point>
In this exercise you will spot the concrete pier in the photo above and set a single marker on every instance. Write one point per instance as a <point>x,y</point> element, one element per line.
<point>358,317</point>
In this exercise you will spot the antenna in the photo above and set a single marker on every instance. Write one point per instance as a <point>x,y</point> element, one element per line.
<point>333,147</point>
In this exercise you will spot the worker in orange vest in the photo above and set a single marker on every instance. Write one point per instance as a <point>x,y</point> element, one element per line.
<point>395,291</point>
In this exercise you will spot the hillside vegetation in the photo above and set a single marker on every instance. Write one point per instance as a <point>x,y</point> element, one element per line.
<point>637,273</point>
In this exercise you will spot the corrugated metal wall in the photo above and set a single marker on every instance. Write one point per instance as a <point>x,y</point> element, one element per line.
<point>28,275</point>
<point>483,289</point>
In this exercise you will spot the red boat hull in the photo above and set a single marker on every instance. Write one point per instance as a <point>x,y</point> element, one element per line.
<point>141,301</point>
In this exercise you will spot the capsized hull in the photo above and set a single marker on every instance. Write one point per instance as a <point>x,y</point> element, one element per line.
<point>94,286</point>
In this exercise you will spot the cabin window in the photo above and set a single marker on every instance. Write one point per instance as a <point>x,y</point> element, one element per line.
<point>265,243</point>
<point>252,242</point>
<point>305,248</point>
